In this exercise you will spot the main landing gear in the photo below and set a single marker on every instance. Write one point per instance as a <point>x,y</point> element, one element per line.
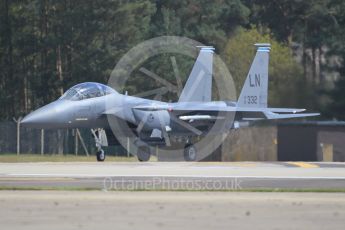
<point>144,153</point>
<point>190,152</point>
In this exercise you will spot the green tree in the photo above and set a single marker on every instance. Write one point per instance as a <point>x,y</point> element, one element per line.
<point>336,55</point>
<point>48,45</point>
<point>209,22</point>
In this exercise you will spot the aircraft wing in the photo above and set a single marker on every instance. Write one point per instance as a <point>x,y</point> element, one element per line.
<point>204,111</point>
<point>214,108</point>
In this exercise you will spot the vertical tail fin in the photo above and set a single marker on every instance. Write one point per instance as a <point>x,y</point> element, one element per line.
<point>199,84</point>
<point>254,91</point>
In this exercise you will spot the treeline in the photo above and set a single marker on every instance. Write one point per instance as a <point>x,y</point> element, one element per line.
<point>46,46</point>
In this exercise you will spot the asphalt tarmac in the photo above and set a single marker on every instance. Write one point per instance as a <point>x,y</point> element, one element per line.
<point>174,175</point>
<point>36,210</point>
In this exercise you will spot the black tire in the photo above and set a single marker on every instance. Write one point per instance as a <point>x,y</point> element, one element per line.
<point>143,153</point>
<point>100,155</point>
<point>190,152</point>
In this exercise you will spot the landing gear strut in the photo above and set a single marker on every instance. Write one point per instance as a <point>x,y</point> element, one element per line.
<point>101,140</point>
<point>143,153</point>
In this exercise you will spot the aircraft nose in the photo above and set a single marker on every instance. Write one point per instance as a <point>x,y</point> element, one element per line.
<point>41,117</point>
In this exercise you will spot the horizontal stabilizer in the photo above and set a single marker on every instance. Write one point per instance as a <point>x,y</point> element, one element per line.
<point>285,110</point>
<point>271,115</point>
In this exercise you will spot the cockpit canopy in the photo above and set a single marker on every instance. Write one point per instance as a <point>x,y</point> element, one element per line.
<point>86,90</point>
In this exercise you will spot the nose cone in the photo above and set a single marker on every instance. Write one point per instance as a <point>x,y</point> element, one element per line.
<point>42,118</point>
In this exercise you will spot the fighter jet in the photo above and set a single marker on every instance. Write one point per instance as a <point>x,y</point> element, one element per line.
<point>90,105</point>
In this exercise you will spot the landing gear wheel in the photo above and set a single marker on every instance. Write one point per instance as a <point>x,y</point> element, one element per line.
<point>100,155</point>
<point>190,152</point>
<point>143,153</point>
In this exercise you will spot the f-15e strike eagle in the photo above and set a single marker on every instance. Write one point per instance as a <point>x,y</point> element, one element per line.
<point>88,105</point>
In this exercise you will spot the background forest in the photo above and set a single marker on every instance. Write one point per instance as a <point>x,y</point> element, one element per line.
<point>47,46</point>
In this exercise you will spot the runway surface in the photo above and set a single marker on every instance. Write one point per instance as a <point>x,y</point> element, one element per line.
<point>36,210</point>
<point>174,175</point>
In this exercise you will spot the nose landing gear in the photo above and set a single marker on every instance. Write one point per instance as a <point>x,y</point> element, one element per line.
<point>101,140</point>
<point>100,155</point>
